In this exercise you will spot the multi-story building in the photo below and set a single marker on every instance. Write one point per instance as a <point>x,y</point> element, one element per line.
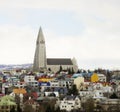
<point>101,78</point>
<point>30,80</point>
<point>70,103</point>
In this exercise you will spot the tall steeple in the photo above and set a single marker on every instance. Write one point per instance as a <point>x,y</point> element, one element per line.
<point>40,36</point>
<point>40,53</point>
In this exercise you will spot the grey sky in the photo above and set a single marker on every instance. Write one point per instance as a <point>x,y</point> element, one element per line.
<point>88,30</point>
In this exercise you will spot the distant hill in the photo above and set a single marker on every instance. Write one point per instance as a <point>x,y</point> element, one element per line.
<point>15,66</point>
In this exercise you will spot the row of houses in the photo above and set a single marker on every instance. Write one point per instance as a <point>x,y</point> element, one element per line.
<point>46,87</point>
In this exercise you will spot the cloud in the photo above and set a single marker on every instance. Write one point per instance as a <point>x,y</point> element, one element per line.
<point>89,48</point>
<point>16,44</point>
<point>98,42</point>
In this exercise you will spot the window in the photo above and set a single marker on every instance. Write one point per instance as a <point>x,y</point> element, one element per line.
<point>6,107</point>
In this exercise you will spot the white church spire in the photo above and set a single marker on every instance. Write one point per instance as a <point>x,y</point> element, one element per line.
<point>40,53</point>
<point>40,38</point>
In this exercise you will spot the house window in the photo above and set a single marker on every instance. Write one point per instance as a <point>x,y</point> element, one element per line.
<point>6,107</point>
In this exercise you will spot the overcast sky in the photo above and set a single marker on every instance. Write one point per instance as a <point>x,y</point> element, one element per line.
<point>88,30</point>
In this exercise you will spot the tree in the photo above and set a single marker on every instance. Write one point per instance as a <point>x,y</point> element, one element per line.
<point>69,71</point>
<point>98,108</point>
<point>89,105</point>
<point>72,71</point>
<point>28,108</point>
<point>113,96</point>
<point>59,70</point>
<point>73,90</point>
<point>17,99</point>
<point>58,109</point>
<point>12,109</point>
<point>79,71</point>
<point>108,75</point>
<point>49,69</point>
<point>18,108</point>
<point>48,109</point>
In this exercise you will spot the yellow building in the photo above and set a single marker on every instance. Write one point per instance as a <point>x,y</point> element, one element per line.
<point>19,91</point>
<point>94,77</point>
<point>45,79</point>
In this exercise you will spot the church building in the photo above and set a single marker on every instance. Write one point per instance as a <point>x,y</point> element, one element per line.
<point>41,63</point>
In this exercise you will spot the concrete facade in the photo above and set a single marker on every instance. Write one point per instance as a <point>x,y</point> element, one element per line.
<point>42,63</point>
<point>40,53</point>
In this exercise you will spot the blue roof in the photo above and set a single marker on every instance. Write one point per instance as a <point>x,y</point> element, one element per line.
<point>77,75</point>
<point>82,75</point>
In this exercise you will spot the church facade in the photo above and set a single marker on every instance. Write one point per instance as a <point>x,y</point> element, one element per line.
<point>41,63</point>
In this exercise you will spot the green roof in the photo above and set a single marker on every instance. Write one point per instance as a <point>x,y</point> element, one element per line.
<point>7,100</point>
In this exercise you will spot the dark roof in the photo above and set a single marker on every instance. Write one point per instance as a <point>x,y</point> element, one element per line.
<point>59,61</point>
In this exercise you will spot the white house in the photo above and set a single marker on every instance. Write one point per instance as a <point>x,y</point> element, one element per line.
<point>30,80</point>
<point>70,103</point>
<point>54,83</point>
<point>54,94</point>
<point>62,83</point>
<point>33,83</point>
<point>20,84</point>
<point>101,77</point>
<point>98,94</point>
<point>97,86</point>
<point>85,93</point>
<point>107,89</point>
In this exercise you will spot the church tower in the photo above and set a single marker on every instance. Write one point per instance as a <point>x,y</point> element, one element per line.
<point>40,61</point>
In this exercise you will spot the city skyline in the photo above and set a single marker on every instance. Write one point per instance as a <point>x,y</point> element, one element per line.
<point>86,30</point>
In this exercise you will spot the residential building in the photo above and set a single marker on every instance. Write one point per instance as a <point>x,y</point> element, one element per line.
<point>70,103</point>
<point>101,77</point>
